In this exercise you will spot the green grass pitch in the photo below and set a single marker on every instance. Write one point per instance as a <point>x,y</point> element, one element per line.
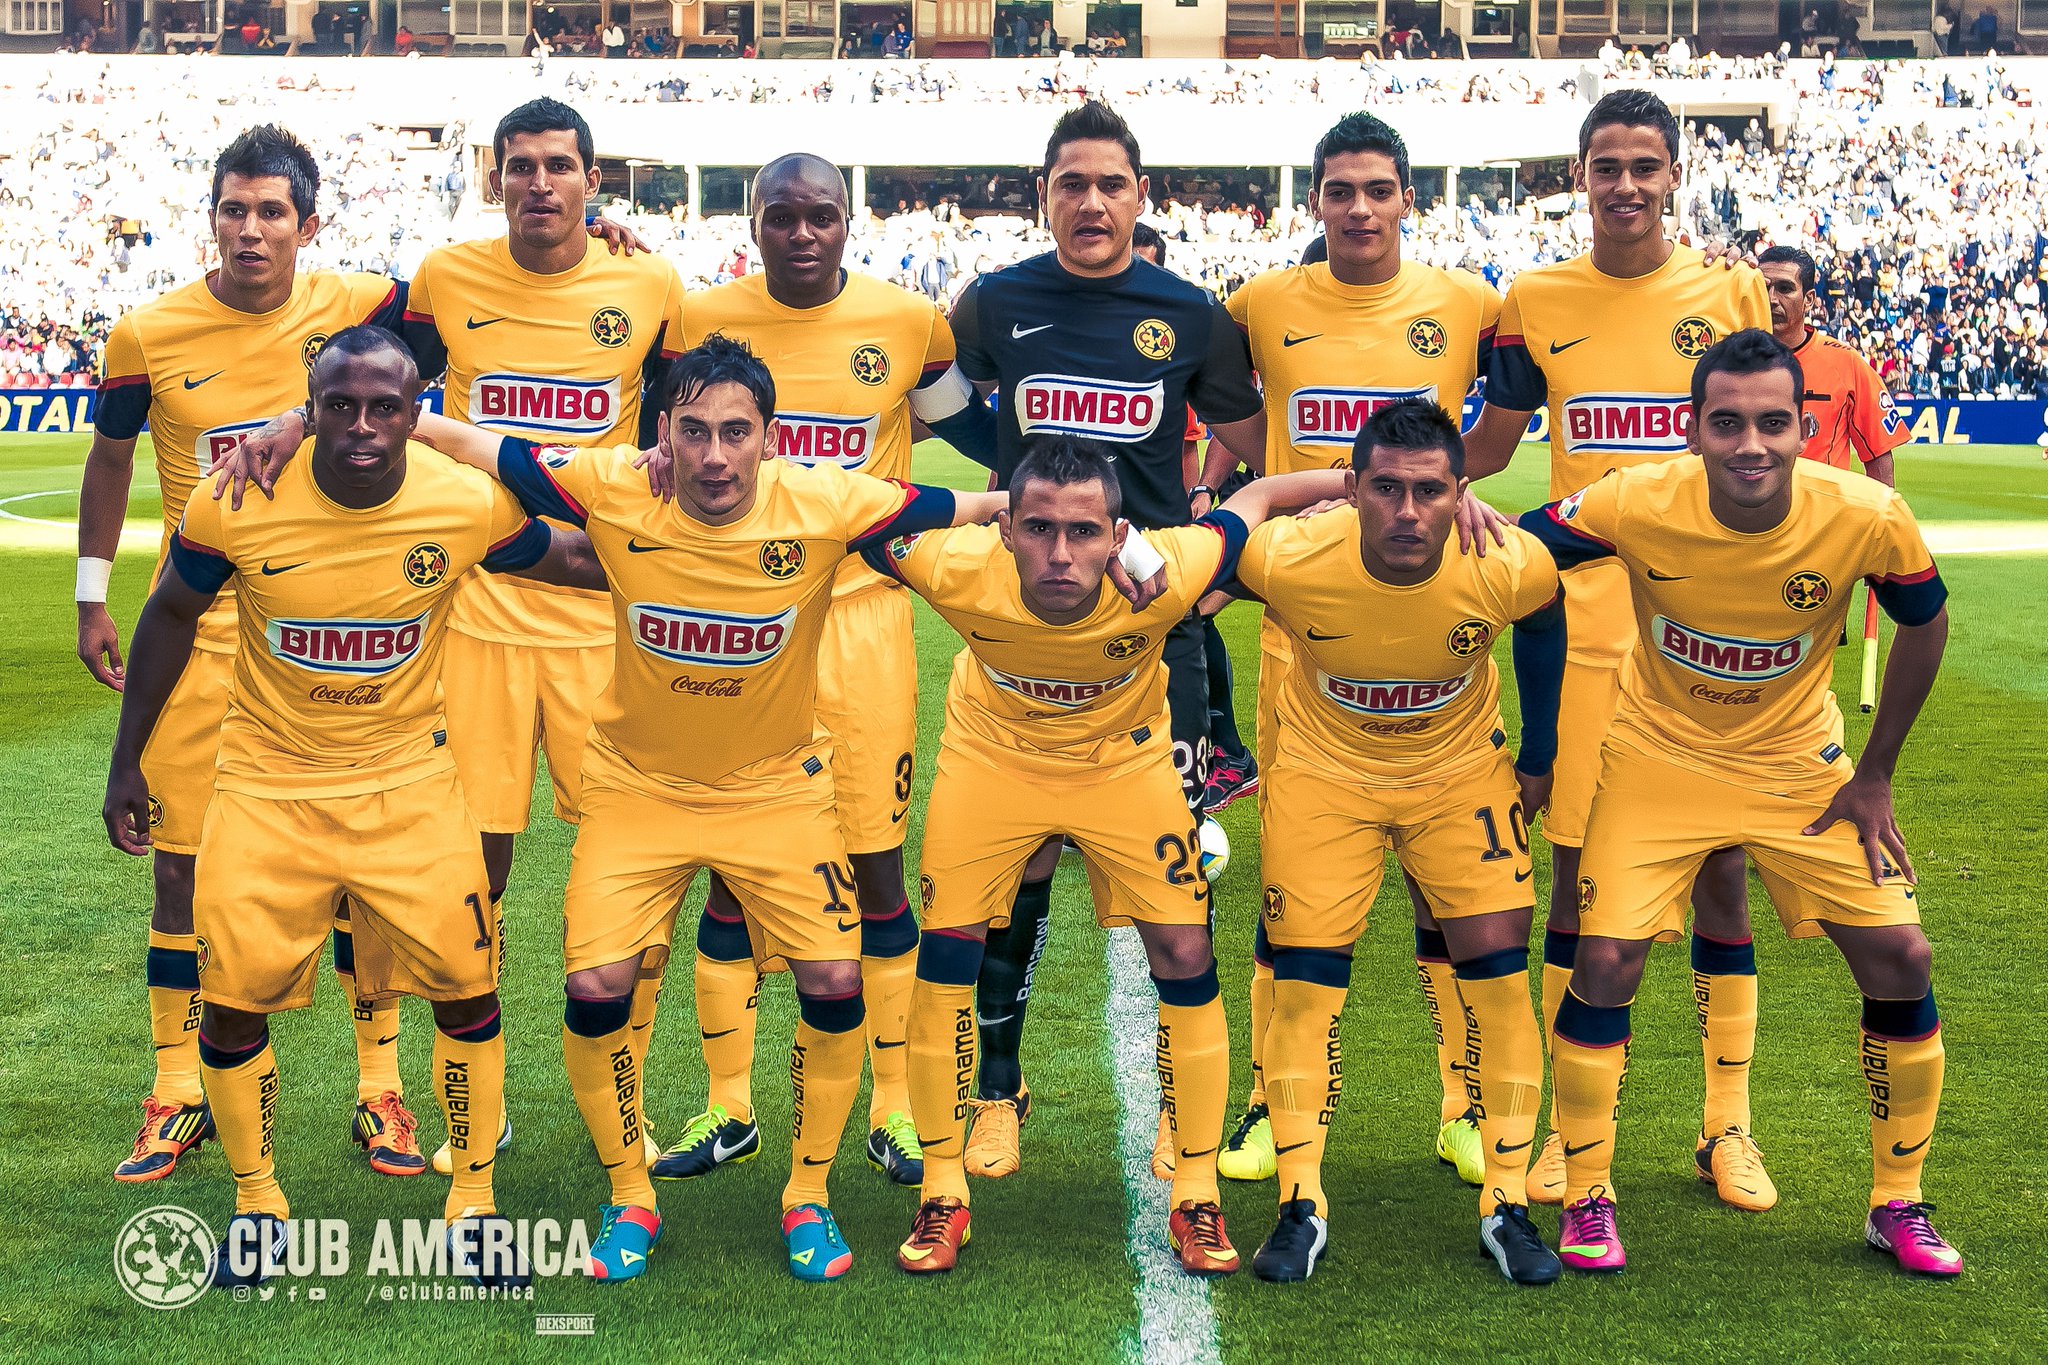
<point>1049,1276</point>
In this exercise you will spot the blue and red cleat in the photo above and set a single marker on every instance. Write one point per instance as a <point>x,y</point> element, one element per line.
<point>817,1252</point>
<point>624,1240</point>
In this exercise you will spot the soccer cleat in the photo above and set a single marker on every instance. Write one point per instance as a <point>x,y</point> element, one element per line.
<point>268,1242</point>
<point>1458,1144</point>
<point>386,1130</point>
<point>168,1132</point>
<point>444,1159</point>
<point>1516,1247</point>
<point>1734,1166</point>
<point>1546,1173</point>
<point>1196,1230</point>
<point>993,1149</point>
<point>713,1139</point>
<point>816,1250</point>
<point>1902,1229</point>
<point>1162,1148</point>
<point>893,1149</point>
<point>1248,1153</point>
<point>1587,1240</point>
<point>485,1257</point>
<point>1297,1242</point>
<point>941,1228</point>
<point>1231,777</point>
<point>625,1238</point>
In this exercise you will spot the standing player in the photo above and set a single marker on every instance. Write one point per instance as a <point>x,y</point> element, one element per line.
<point>1087,341</point>
<point>703,753</point>
<point>1389,738</point>
<point>1608,342</point>
<point>1727,734</point>
<point>1054,720</point>
<point>1335,341</point>
<point>202,366</point>
<point>855,361</point>
<point>333,778</point>
<point>1850,422</point>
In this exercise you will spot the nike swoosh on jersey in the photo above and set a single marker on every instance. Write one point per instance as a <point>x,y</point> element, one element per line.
<point>1666,577</point>
<point>1019,333</point>
<point>635,547</point>
<point>282,568</point>
<point>1292,340</point>
<point>849,928</point>
<point>472,324</point>
<point>1317,635</point>
<point>191,384</point>
<point>1556,349</point>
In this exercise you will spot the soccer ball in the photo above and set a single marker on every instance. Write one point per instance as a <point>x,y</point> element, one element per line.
<point>1215,848</point>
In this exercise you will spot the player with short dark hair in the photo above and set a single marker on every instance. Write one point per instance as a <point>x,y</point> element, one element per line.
<point>1727,735</point>
<point>1608,342</point>
<point>1850,420</point>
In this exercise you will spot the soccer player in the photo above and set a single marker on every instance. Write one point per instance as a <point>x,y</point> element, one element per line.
<point>333,777</point>
<point>1739,565</point>
<point>703,753</point>
<point>1085,340</point>
<point>1390,738</point>
<point>1608,342</point>
<point>1850,421</point>
<point>1335,341</point>
<point>857,362</point>
<point>202,366</point>
<point>1056,726</point>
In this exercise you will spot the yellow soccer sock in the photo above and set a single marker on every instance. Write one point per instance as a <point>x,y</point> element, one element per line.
<point>376,1025</point>
<point>945,1057</point>
<point>824,1076</point>
<point>728,992</point>
<point>241,1086</point>
<point>1446,1019</point>
<point>1194,1079</point>
<point>1902,1064</point>
<point>1588,1060</point>
<point>1560,951</point>
<point>646,999</point>
<point>1724,989</point>
<point>885,986</point>
<point>1305,1065</point>
<point>598,1050</point>
<point>173,976</point>
<point>469,1075</point>
<point>1495,991</point>
<point>1262,1011</point>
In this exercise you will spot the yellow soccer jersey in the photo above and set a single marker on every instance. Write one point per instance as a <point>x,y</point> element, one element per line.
<point>1330,354</point>
<point>1391,684</point>
<point>337,686</point>
<point>844,372</point>
<point>1045,694</point>
<point>716,627</point>
<point>558,359</point>
<point>1731,671</point>
<point>203,375</point>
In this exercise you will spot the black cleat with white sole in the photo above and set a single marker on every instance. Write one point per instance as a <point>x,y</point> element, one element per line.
<point>1511,1240</point>
<point>1289,1256</point>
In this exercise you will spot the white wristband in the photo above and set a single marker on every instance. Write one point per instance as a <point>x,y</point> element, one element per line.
<point>1139,558</point>
<point>92,579</point>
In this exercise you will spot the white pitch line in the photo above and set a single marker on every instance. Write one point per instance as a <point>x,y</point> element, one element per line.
<point>1176,1324</point>
<point>69,525</point>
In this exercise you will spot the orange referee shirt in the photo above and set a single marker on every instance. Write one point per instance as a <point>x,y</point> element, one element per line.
<point>1850,420</point>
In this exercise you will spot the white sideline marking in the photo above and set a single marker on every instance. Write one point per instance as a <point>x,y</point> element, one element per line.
<point>43,529</point>
<point>1176,1325</point>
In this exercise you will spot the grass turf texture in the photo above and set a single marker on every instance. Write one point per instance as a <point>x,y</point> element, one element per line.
<point>1048,1276</point>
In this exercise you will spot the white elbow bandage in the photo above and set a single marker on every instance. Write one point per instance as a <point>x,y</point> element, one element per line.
<point>92,579</point>
<point>1139,559</point>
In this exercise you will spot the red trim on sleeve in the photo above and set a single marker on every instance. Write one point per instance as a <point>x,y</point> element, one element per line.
<point>1906,580</point>
<point>563,493</point>
<point>122,381</point>
<point>1487,334</point>
<point>909,495</point>
<point>523,527</point>
<point>197,548</point>
<point>936,367</point>
<point>411,316</point>
<point>1575,532</point>
<point>385,302</point>
<point>1509,339</point>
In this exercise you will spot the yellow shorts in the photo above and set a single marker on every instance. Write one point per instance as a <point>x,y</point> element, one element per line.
<point>1585,713</point>
<point>1325,843</point>
<point>178,760</point>
<point>867,707</point>
<point>506,701</point>
<point>1276,656</point>
<point>986,818</point>
<point>1655,821</point>
<point>271,873</point>
<point>769,830</point>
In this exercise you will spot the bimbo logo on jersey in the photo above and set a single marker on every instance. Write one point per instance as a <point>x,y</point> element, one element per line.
<point>346,646</point>
<point>1332,417</point>
<point>1392,698</point>
<point>713,639</point>
<point>1101,408</point>
<point>222,441</point>
<point>532,402</point>
<point>1055,691</point>
<point>1725,656</point>
<point>1629,423</point>
<point>815,438</point>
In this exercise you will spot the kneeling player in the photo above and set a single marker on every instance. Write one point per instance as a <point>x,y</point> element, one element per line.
<point>333,779</point>
<point>1389,737</point>
<point>1740,565</point>
<point>1056,725</point>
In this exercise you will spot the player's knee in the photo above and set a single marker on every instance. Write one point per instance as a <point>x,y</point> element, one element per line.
<point>1177,952</point>
<point>827,980</point>
<point>1910,963</point>
<point>608,982</point>
<point>1608,970</point>
<point>171,906</point>
<point>475,1020</point>
<point>228,1037</point>
<point>1720,896</point>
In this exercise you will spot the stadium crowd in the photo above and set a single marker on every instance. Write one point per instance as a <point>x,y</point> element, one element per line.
<point>1930,234</point>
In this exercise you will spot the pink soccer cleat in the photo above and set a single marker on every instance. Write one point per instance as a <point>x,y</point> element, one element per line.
<point>1587,1240</point>
<point>1903,1230</point>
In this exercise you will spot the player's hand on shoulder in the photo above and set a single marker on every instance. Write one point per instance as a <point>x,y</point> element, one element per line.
<point>1865,801</point>
<point>1535,792</point>
<point>126,809</point>
<point>1316,509</point>
<point>1477,522</point>
<point>660,469</point>
<point>259,458</point>
<point>618,239</point>
<point>1726,255</point>
<point>99,646</point>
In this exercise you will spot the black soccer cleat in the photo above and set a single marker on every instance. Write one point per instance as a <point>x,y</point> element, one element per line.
<point>481,1250</point>
<point>256,1244</point>
<point>1516,1247</point>
<point>1289,1256</point>
<point>893,1149</point>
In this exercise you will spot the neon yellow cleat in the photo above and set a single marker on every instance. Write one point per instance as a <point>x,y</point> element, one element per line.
<point>1546,1175</point>
<point>1457,1144</point>
<point>1248,1155</point>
